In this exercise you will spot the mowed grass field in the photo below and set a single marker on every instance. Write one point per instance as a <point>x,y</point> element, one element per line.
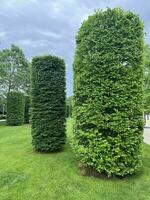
<point>27,175</point>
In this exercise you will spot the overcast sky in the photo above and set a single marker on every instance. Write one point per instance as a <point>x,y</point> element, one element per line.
<point>49,26</point>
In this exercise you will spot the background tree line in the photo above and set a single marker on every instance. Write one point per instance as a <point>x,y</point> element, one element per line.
<point>15,76</point>
<point>14,73</point>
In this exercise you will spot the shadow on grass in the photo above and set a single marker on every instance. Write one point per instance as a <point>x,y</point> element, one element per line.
<point>90,172</point>
<point>66,148</point>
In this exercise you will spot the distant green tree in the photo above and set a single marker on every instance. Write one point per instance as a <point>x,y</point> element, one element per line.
<point>69,107</point>
<point>15,108</point>
<point>147,80</point>
<point>2,105</point>
<point>14,71</point>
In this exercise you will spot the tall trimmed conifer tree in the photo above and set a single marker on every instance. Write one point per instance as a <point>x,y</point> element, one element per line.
<point>48,103</point>
<point>108,93</point>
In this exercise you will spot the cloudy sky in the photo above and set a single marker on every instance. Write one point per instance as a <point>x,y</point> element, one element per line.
<point>49,26</point>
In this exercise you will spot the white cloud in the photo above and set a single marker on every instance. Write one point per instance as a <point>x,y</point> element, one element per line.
<point>14,3</point>
<point>49,34</point>
<point>25,42</point>
<point>3,34</point>
<point>32,43</point>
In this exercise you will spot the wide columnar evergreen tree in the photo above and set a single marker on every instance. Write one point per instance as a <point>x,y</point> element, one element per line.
<point>48,103</point>
<point>108,78</point>
<point>15,108</point>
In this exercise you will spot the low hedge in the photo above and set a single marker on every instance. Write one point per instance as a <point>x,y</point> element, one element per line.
<point>15,108</point>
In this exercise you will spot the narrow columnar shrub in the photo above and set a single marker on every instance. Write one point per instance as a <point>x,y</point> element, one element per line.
<point>108,76</point>
<point>69,107</point>
<point>15,108</point>
<point>48,103</point>
<point>27,110</point>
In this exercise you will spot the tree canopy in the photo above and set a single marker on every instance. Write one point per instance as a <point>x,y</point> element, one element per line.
<point>14,71</point>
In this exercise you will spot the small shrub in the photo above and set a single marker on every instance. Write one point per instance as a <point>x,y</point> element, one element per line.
<point>15,108</point>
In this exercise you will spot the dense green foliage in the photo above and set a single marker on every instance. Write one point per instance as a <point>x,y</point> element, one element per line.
<point>15,108</point>
<point>48,103</point>
<point>27,110</point>
<point>14,71</point>
<point>69,107</point>
<point>108,79</point>
<point>2,117</point>
<point>147,80</point>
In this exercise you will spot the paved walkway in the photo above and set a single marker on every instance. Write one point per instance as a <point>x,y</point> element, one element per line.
<point>147,135</point>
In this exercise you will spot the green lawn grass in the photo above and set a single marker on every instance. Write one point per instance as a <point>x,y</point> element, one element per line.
<point>27,175</point>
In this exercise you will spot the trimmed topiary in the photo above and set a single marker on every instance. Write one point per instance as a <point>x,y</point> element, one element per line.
<point>48,103</point>
<point>27,110</point>
<point>15,108</point>
<point>108,93</point>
